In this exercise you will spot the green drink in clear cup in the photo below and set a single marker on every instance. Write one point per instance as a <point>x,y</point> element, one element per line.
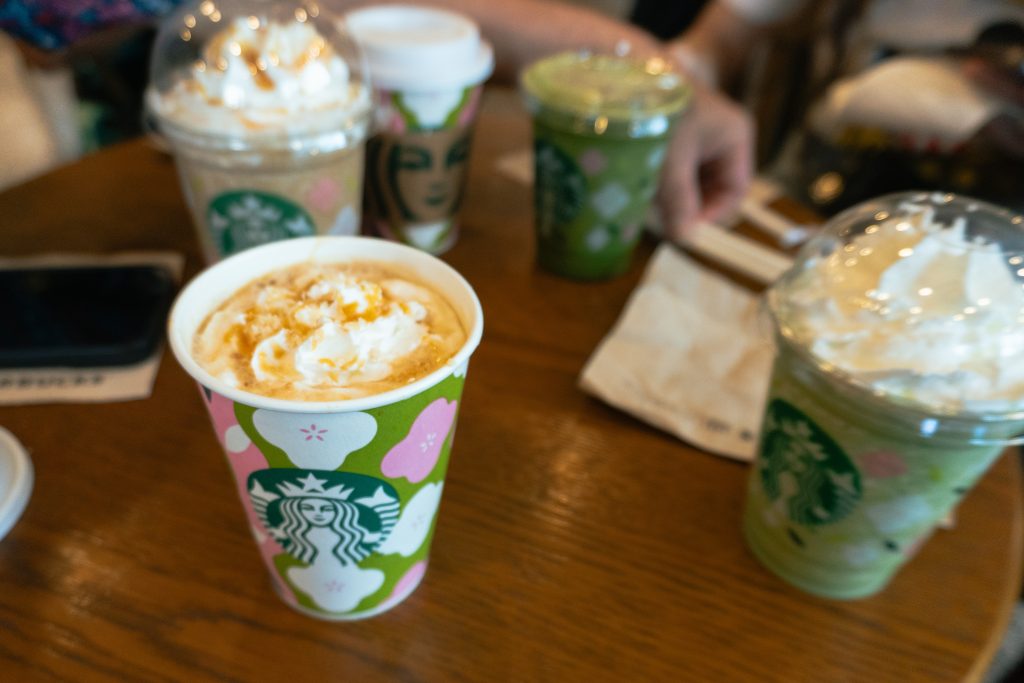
<point>601,130</point>
<point>895,386</point>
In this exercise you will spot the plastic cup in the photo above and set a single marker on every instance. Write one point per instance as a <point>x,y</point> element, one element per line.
<point>427,67</point>
<point>266,109</point>
<point>341,496</point>
<point>601,128</point>
<point>856,466</point>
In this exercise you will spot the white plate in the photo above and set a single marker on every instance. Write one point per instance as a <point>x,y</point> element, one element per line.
<point>16,479</point>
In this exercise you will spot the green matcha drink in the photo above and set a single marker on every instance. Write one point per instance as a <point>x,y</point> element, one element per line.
<point>894,388</point>
<point>601,130</point>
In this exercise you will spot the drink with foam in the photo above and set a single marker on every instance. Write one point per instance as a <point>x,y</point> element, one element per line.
<point>266,108</point>
<point>333,371</point>
<point>896,385</point>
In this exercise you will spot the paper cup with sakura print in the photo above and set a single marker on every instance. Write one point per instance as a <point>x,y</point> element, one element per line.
<point>342,496</point>
<point>427,66</point>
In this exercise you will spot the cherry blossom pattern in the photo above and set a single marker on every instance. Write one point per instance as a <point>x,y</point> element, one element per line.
<point>415,456</point>
<point>469,109</point>
<point>313,432</point>
<point>882,464</point>
<point>323,194</point>
<point>244,458</point>
<point>593,161</point>
<point>407,583</point>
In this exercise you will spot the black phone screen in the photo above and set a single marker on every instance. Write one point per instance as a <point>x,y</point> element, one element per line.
<point>82,316</point>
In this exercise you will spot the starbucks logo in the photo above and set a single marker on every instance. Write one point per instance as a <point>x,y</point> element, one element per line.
<point>323,516</point>
<point>560,188</point>
<point>802,465</point>
<point>247,218</point>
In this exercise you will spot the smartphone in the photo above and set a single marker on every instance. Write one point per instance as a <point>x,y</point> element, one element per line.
<point>82,316</point>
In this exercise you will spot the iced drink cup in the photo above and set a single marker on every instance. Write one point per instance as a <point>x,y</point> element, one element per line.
<point>427,67</point>
<point>340,465</point>
<point>601,128</point>
<point>896,384</point>
<point>266,109</point>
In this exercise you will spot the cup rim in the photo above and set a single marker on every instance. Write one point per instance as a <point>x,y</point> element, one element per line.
<point>307,246</point>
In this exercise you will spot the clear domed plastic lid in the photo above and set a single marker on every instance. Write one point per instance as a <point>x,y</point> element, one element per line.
<point>614,95</point>
<point>251,74</point>
<point>915,296</point>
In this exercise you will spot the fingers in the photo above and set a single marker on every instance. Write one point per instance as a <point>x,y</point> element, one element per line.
<point>726,179</point>
<point>679,194</point>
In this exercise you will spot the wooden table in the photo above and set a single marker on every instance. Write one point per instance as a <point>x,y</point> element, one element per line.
<point>574,542</point>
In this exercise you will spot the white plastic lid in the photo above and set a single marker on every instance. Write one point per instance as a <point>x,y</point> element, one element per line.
<point>16,479</point>
<point>420,49</point>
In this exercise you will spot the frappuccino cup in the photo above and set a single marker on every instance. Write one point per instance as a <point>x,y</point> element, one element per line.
<point>266,108</point>
<point>601,128</point>
<point>341,495</point>
<point>428,67</point>
<point>896,384</point>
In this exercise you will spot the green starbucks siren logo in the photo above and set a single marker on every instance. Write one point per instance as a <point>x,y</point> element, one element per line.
<point>560,188</point>
<point>803,465</point>
<point>243,219</point>
<point>323,515</point>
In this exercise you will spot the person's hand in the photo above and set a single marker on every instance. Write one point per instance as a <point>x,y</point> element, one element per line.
<point>709,166</point>
<point>1006,130</point>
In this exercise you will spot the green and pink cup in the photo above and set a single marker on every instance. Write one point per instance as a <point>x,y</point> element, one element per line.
<point>428,67</point>
<point>851,476</point>
<point>341,496</point>
<point>601,127</point>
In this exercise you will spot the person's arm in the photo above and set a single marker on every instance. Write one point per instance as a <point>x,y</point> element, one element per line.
<point>710,159</point>
<point>522,31</point>
<point>716,47</point>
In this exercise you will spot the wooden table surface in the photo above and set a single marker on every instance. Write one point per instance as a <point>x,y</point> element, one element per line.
<point>573,542</point>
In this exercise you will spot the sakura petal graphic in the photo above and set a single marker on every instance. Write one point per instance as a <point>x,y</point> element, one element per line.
<point>317,442</point>
<point>414,456</point>
<point>469,109</point>
<point>882,464</point>
<point>630,233</point>
<point>244,458</point>
<point>323,194</point>
<point>593,161</point>
<point>415,522</point>
<point>409,581</point>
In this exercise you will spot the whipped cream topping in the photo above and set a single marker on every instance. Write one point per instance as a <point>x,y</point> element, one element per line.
<point>324,333</point>
<point>916,309</point>
<point>263,77</point>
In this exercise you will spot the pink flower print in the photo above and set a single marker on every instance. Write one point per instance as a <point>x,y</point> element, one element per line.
<point>414,456</point>
<point>409,581</point>
<point>468,113</point>
<point>630,233</point>
<point>334,586</point>
<point>313,433</point>
<point>593,161</point>
<point>883,464</point>
<point>323,195</point>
